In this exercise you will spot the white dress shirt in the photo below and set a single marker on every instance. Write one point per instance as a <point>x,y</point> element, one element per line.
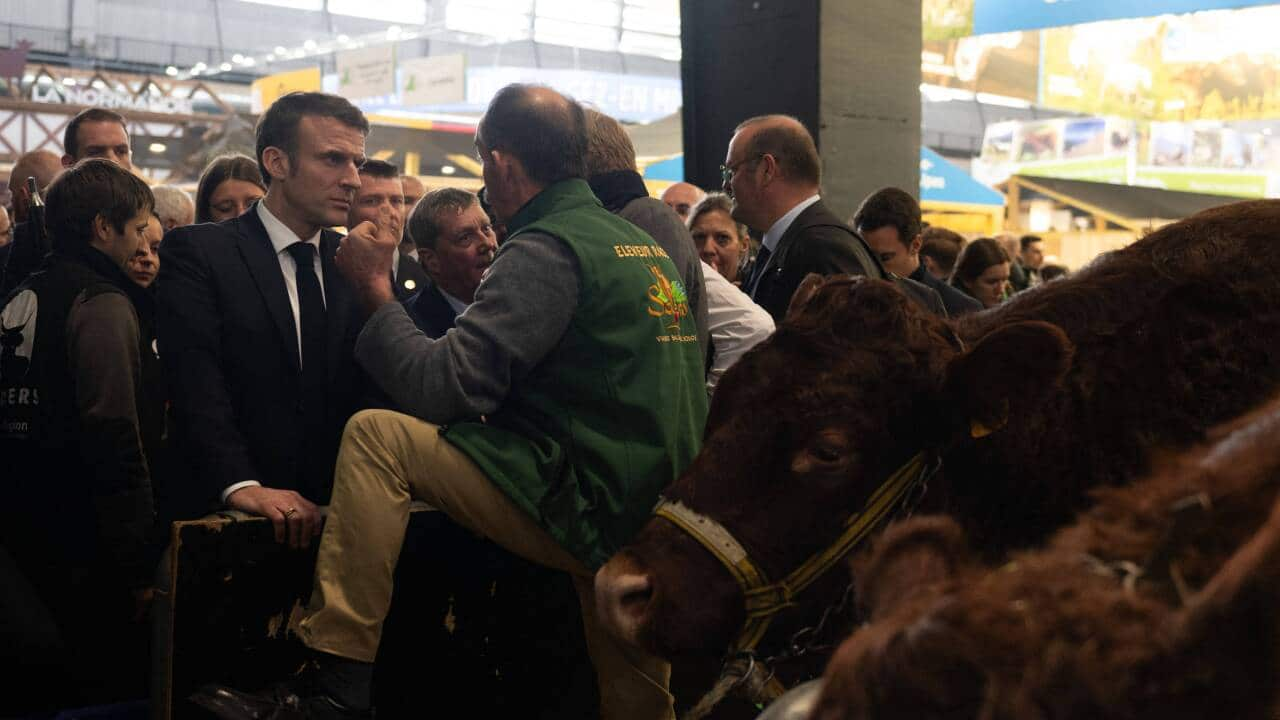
<point>281,238</point>
<point>779,228</point>
<point>736,323</point>
<point>457,305</point>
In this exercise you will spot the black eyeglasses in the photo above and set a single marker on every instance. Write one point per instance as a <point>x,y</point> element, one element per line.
<point>727,171</point>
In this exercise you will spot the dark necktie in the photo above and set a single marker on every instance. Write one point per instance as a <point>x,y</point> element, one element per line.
<point>757,270</point>
<point>311,320</point>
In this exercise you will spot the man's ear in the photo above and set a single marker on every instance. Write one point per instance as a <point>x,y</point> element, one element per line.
<point>1006,372</point>
<point>101,230</point>
<point>276,161</point>
<point>430,262</point>
<point>913,247</point>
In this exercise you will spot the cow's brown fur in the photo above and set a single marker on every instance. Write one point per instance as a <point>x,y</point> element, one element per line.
<point>1056,634</point>
<point>1158,342</point>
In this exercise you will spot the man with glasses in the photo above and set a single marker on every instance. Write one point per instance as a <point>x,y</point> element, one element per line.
<point>772,172</point>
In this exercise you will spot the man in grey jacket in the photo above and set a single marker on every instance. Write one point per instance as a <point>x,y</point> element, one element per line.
<point>612,174</point>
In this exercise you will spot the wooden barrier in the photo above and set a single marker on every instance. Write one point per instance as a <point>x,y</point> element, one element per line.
<point>473,630</point>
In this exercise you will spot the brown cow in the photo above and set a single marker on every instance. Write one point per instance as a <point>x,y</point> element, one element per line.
<point>1147,347</point>
<point>1095,626</point>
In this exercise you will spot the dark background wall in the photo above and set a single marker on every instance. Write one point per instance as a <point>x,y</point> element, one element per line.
<point>848,69</point>
<point>743,58</point>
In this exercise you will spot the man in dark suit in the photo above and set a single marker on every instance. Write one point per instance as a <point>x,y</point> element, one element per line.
<point>456,244</point>
<point>257,327</point>
<point>772,172</point>
<point>889,220</point>
<point>379,199</point>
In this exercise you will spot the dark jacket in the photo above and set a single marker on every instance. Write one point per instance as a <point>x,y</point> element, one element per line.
<point>956,302</point>
<point>625,195</point>
<point>72,395</point>
<point>409,278</point>
<point>817,242</point>
<point>229,346</point>
<point>430,311</point>
<point>21,257</point>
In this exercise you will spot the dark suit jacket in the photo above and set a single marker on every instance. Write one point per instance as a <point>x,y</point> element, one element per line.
<point>430,311</point>
<point>956,302</point>
<point>229,348</point>
<point>410,277</point>
<point>817,242</point>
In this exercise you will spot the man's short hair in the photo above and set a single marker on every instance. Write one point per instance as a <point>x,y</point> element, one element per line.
<point>609,148</point>
<point>90,188</point>
<point>380,169</point>
<point>424,224</point>
<point>278,126</point>
<point>42,165</point>
<point>173,205</point>
<point>549,139</point>
<point>1028,240</point>
<point>943,246</point>
<point>789,143</point>
<point>890,207</point>
<point>71,137</point>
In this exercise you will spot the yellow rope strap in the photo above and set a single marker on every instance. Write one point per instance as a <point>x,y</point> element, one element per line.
<point>764,600</point>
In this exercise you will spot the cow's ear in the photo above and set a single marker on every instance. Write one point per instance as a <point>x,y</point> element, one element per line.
<point>907,559</point>
<point>804,293</point>
<point>1007,372</point>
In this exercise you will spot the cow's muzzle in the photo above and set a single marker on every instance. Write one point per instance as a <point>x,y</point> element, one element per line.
<point>624,599</point>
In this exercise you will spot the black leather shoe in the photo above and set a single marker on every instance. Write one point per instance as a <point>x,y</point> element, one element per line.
<point>282,703</point>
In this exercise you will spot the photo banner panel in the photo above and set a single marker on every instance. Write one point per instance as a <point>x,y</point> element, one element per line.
<point>996,16</point>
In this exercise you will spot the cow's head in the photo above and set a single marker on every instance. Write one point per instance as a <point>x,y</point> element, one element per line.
<point>801,431</point>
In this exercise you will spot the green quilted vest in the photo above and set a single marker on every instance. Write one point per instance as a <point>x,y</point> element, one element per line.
<point>615,411</point>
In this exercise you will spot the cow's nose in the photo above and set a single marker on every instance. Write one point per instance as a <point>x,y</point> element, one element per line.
<point>623,600</point>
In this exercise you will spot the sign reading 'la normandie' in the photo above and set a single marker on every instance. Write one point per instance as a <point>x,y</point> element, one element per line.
<point>111,99</point>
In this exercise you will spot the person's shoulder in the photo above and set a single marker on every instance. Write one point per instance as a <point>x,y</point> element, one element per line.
<point>649,207</point>
<point>226,232</point>
<point>103,304</point>
<point>955,299</point>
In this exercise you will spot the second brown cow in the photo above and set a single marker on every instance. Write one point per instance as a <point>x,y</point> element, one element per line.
<point>1159,603</point>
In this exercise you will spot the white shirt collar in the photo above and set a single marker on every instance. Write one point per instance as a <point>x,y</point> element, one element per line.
<point>280,234</point>
<point>780,227</point>
<point>457,305</point>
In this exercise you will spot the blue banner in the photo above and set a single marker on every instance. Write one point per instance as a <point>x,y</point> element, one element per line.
<point>995,16</point>
<point>941,181</point>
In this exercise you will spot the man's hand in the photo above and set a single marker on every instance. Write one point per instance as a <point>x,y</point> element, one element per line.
<point>365,257</point>
<point>294,517</point>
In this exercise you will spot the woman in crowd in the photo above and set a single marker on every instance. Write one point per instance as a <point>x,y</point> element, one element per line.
<point>982,271</point>
<point>229,185</point>
<point>721,242</point>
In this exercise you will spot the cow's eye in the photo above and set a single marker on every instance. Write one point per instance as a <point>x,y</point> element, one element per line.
<point>826,453</point>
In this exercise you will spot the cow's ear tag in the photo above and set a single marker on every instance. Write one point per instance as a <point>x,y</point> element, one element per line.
<point>978,429</point>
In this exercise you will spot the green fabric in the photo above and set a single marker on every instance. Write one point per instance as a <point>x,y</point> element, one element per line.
<point>615,411</point>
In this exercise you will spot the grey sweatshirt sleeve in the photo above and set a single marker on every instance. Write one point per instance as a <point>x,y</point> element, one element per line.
<point>102,353</point>
<point>521,310</point>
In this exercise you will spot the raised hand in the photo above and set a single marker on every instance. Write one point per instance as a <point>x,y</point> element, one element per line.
<point>365,258</point>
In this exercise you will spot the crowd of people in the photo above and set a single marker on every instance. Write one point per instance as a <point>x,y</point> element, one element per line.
<point>534,360</point>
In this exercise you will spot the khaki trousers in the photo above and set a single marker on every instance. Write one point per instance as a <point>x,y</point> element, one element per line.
<point>386,461</point>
